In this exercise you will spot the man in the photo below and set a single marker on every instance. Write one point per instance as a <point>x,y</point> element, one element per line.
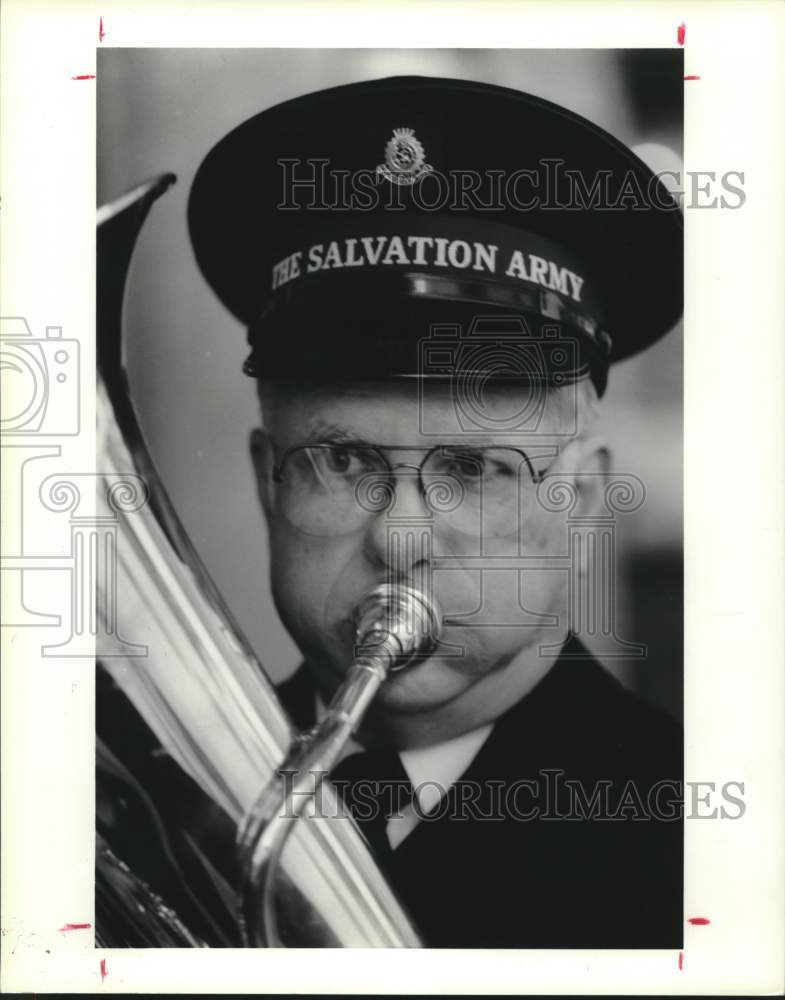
<point>435,276</point>
<point>433,301</point>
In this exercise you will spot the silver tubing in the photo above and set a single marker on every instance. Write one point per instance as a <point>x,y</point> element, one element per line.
<point>395,625</point>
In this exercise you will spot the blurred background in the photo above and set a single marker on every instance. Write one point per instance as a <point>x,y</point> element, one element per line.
<point>163,109</point>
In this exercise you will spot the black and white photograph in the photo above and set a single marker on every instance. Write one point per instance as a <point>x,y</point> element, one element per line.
<point>392,470</point>
<point>404,345</point>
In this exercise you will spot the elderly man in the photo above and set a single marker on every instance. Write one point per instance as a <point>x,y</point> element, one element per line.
<point>435,276</point>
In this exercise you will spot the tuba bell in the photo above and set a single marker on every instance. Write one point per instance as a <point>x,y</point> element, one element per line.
<point>200,842</point>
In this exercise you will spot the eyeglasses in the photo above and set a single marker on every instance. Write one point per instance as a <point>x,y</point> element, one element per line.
<point>332,489</point>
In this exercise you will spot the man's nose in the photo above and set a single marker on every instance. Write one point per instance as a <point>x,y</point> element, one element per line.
<point>400,535</point>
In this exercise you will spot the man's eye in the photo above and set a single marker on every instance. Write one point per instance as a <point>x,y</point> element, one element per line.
<point>499,470</point>
<point>467,469</point>
<point>337,459</point>
<point>465,466</point>
<point>475,468</point>
<point>345,461</point>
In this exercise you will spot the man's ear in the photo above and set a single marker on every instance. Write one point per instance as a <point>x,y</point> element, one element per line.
<point>592,470</point>
<point>261,448</point>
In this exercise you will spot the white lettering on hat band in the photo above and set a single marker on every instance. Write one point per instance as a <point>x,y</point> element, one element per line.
<point>426,251</point>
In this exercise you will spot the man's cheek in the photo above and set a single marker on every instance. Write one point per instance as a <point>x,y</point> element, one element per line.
<point>312,581</point>
<point>297,569</point>
<point>545,533</point>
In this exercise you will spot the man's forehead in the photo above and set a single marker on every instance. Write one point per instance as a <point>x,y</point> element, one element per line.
<point>415,410</point>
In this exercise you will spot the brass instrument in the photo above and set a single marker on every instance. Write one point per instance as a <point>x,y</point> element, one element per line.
<point>394,625</point>
<point>191,682</point>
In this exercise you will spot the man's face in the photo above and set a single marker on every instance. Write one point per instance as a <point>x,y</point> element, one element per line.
<point>496,617</point>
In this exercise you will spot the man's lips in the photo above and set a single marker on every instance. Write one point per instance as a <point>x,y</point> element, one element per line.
<point>345,640</point>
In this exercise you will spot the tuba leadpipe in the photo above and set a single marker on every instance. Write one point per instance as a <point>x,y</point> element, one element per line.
<point>394,626</point>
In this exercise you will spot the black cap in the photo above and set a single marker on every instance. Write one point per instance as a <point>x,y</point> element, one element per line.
<point>416,226</point>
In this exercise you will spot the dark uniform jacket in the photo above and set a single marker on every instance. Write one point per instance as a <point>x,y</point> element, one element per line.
<point>569,836</point>
<point>530,865</point>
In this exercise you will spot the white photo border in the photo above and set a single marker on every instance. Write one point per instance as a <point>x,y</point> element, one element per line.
<point>734,415</point>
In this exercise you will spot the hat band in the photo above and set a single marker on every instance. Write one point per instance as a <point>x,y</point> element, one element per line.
<point>540,302</point>
<point>544,303</point>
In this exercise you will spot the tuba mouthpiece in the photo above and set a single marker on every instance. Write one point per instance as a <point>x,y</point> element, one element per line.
<point>397,624</point>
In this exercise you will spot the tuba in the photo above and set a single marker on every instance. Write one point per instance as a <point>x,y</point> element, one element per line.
<point>208,833</point>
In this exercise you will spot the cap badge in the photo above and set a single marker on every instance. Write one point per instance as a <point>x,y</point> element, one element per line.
<point>404,158</point>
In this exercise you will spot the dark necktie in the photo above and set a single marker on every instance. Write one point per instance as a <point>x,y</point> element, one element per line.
<point>374,786</point>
